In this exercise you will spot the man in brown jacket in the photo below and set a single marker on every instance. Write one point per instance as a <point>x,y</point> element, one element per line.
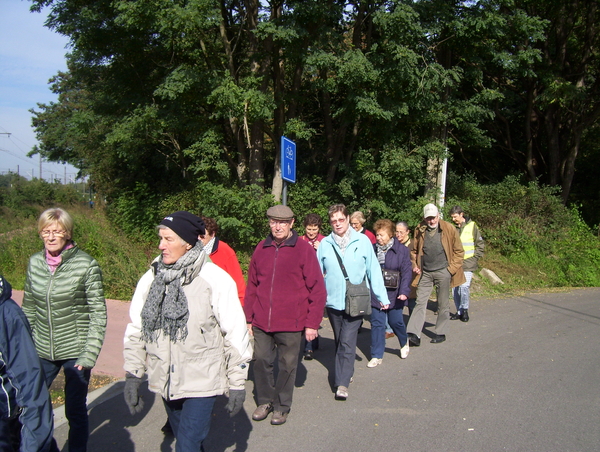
<point>437,259</point>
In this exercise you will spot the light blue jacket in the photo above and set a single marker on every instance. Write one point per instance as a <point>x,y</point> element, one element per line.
<point>359,260</point>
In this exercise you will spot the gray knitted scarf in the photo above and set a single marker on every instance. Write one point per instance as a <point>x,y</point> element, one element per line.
<point>166,308</point>
<point>382,249</point>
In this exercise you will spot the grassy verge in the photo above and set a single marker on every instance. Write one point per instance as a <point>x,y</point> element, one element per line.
<point>122,260</point>
<point>57,389</point>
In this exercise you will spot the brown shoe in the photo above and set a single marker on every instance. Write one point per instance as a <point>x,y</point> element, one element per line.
<point>262,411</point>
<point>278,418</point>
<point>388,335</point>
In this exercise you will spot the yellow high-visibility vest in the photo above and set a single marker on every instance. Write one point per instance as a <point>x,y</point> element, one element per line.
<point>468,240</point>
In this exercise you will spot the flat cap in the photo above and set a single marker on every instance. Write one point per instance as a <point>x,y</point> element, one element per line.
<point>280,212</point>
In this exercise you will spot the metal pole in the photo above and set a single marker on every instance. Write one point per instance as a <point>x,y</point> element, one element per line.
<point>284,193</point>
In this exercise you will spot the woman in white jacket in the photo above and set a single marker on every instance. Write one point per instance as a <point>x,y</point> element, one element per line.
<point>188,332</point>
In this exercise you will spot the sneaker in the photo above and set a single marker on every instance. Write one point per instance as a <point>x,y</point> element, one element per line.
<point>309,355</point>
<point>404,351</point>
<point>341,393</point>
<point>375,362</point>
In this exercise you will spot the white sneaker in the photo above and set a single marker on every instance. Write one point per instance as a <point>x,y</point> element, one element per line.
<point>404,351</point>
<point>375,362</point>
<point>341,393</point>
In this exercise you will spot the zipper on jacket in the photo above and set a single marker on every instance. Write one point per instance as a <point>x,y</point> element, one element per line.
<point>272,281</point>
<point>49,315</point>
<point>2,385</point>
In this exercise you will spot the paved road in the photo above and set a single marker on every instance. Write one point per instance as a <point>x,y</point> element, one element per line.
<point>522,375</point>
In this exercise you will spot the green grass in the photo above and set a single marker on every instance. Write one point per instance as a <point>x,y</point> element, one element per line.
<point>123,260</point>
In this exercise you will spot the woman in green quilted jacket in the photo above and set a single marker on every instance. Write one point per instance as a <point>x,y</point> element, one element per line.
<point>64,303</point>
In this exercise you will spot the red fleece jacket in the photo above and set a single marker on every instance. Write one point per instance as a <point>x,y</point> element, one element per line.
<point>224,257</point>
<point>286,290</point>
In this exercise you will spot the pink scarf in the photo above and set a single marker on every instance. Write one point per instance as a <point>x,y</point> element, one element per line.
<point>54,261</point>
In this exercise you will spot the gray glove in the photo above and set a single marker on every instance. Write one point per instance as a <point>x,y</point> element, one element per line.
<point>131,392</point>
<point>236,401</point>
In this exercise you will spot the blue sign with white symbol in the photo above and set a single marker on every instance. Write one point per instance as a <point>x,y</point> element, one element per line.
<point>288,160</point>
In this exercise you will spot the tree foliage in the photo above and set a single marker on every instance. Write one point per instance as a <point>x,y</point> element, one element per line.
<point>171,95</point>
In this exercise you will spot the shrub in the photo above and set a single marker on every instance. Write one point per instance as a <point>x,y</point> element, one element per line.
<point>529,225</point>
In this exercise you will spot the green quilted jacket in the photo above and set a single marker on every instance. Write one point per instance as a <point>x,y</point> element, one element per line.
<point>66,310</point>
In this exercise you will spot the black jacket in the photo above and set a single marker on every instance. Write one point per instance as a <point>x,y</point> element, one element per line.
<point>23,391</point>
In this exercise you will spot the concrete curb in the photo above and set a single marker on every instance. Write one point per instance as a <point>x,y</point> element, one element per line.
<point>94,399</point>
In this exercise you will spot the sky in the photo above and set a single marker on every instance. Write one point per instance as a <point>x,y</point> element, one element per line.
<point>30,54</point>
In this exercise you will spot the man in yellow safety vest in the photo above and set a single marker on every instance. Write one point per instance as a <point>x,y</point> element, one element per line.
<point>473,245</point>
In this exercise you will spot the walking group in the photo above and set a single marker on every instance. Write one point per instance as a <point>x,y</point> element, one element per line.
<point>196,325</point>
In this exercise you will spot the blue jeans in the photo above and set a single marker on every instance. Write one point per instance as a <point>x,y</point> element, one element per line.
<point>190,421</point>
<point>345,332</point>
<point>76,389</point>
<point>379,317</point>
<point>311,345</point>
<point>462,294</point>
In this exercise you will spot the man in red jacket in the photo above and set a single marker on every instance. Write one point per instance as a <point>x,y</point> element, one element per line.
<point>285,297</point>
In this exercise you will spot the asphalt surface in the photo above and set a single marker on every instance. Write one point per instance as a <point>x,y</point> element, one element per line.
<point>522,375</point>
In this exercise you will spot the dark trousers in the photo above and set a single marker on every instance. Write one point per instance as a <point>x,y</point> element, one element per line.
<point>10,435</point>
<point>285,347</point>
<point>76,389</point>
<point>190,421</point>
<point>345,332</point>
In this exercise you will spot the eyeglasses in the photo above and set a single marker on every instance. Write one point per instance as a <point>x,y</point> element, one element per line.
<point>279,222</point>
<point>336,221</point>
<point>54,233</point>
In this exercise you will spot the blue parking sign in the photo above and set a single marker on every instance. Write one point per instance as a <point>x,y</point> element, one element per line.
<point>288,160</point>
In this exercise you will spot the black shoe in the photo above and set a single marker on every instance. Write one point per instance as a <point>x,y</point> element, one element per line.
<point>455,316</point>
<point>465,316</point>
<point>414,340</point>
<point>166,429</point>
<point>438,338</point>
<point>308,355</point>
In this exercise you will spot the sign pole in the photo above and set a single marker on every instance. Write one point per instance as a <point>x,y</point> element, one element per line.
<point>284,193</point>
<point>288,165</point>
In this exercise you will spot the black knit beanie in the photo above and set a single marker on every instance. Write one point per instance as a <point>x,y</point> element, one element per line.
<point>186,225</point>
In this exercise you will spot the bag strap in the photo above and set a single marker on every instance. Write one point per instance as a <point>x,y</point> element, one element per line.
<point>341,263</point>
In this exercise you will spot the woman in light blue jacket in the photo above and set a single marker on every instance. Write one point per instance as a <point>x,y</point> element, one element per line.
<point>356,252</point>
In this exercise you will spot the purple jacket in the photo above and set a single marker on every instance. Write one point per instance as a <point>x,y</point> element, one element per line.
<point>397,258</point>
<point>285,289</point>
